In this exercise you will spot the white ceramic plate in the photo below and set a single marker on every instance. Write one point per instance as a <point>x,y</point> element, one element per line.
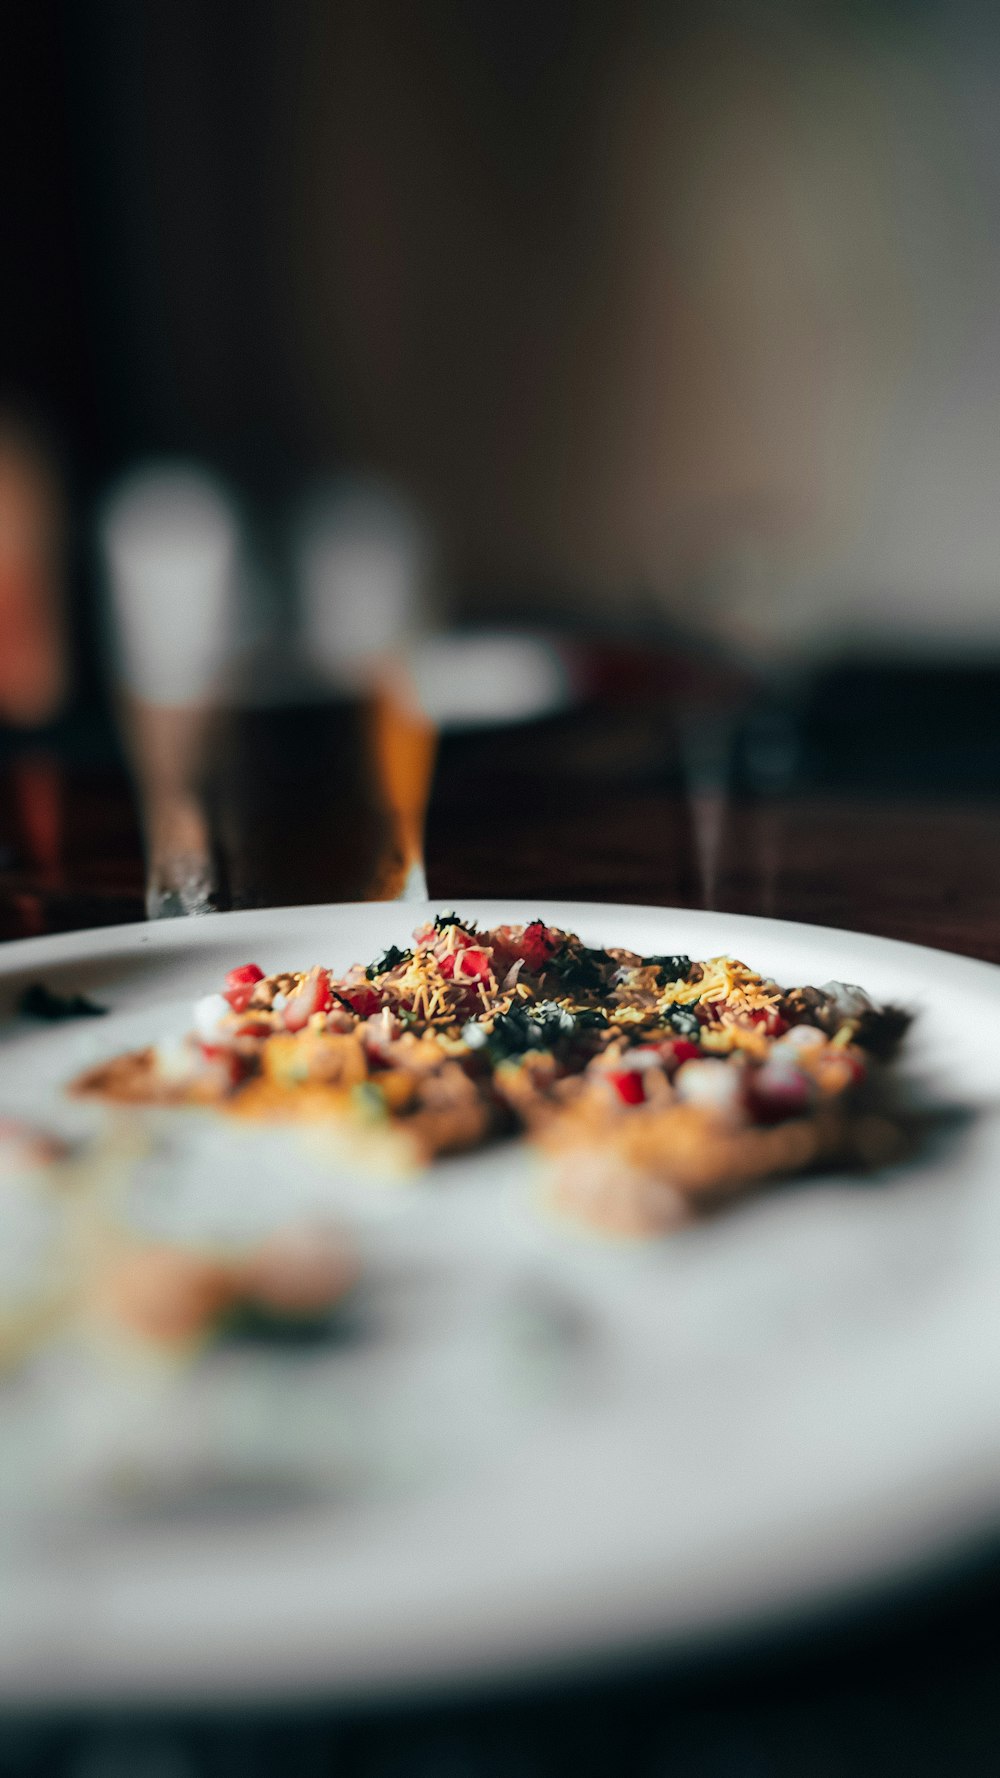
<point>532,1444</point>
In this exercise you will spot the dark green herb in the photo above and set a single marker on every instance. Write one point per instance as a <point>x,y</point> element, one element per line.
<point>388,960</point>
<point>40,1002</point>
<point>517,1031</point>
<point>684,1022</point>
<point>671,969</point>
<point>591,1018</point>
<point>581,969</point>
<point>881,1029</point>
<point>450,918</point>
<point>254,1324</point>
<point>544,1026</point>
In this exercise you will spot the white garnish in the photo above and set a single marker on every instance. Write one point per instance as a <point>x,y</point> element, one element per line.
<point>548,1012</point>
<point>712,1082</point>
<point>637,1060</point>
<point>209,1013</point>
<point>849,1001</point>
<point>802,1037</point>
<point>779,1075</point>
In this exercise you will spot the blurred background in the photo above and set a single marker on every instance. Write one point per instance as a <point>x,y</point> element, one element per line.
<point>635,301</point>
<point>665,336</point>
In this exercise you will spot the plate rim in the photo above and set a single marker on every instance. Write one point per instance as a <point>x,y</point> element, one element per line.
<point>62,946</point>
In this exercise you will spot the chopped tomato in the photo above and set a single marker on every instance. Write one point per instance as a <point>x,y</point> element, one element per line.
<point>537,945</point>
<point>776,1092</point>
<point>312,996</point>
<point>254,1028</point>
<point>629,1085</point>
<point>240,984</point>
<point>468,965</point>
<point>362,1000</point>
<point>678,1050</point>
<point>473,964</point>
<point>245,972</point>
<point>236,1067</point>
<point>771,1019</point>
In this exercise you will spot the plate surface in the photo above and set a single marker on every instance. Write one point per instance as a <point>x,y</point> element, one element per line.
<point>529,1444</point>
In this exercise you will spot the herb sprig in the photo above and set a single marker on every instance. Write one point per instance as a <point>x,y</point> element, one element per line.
<point>581,969</point>
<point>450,918</point>
<point>670,969</point>
<point>390,959</point>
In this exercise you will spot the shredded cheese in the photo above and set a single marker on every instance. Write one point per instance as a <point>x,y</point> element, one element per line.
<point>723,979</point>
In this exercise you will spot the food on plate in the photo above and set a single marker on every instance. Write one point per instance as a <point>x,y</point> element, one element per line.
<point>175,1295</point>
<point>656,1087</point>
<point>163,1293</point>
<point>26,1148</point>
<point>39,1174</point>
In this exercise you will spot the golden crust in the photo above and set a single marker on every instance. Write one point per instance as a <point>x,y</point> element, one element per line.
<point>135,1079</point>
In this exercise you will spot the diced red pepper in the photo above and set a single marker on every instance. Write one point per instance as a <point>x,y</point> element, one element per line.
<point>314,995</point>
<point>629,1085</point>
<point>254,1028</point>
<point>240,984</point>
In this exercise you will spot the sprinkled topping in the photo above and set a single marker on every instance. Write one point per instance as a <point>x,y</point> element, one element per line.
<point>390,959</point>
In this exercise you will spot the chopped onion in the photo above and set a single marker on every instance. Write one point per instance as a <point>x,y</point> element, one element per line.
<point>850,1001</point>
<point>211,1012</point>
<point>710,1083</point>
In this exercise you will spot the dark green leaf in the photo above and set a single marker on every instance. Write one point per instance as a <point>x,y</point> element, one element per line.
<point>388,960</point>
<point>40,1002</point>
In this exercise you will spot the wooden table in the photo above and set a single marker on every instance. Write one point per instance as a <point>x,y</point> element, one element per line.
<point>590,805</point>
